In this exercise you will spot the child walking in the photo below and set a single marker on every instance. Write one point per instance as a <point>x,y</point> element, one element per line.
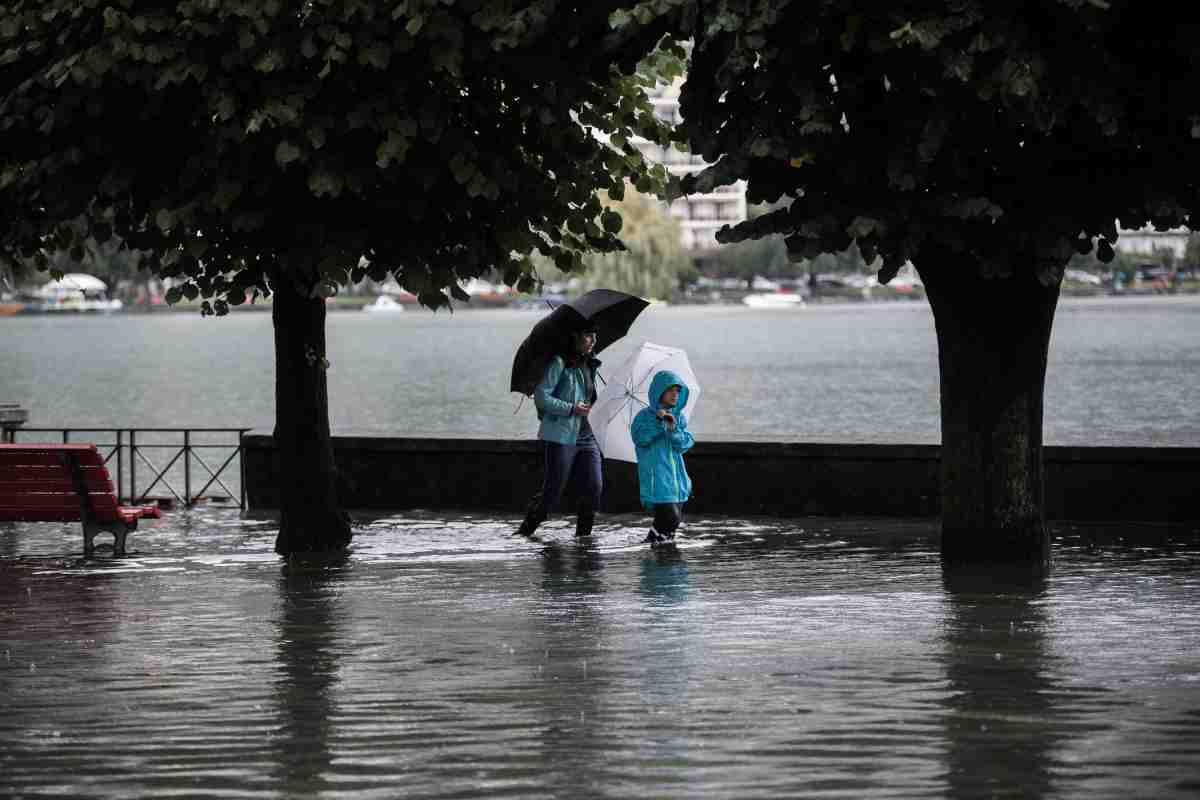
<point>661,437</point>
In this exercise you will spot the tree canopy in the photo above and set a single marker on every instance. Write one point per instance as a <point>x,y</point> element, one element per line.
<point>1014,137</point>
<point>243,142</point>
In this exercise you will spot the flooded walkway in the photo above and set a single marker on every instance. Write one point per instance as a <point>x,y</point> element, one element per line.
<point>443,658</point>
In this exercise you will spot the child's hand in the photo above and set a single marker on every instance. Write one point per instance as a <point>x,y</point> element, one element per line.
<point>670,420</point>
<point>581,409</point>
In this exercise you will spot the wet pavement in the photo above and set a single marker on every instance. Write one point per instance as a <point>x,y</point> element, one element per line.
<point>442,657</point>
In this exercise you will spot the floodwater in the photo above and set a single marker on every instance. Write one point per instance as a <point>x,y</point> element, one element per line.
<point>443,658</point>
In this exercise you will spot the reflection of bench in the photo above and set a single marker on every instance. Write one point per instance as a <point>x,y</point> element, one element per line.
<point>65,483</point>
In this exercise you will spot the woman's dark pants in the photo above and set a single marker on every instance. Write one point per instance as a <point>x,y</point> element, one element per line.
<point>574,470</point>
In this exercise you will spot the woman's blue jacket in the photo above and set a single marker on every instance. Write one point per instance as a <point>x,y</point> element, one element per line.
<point>558,423</point>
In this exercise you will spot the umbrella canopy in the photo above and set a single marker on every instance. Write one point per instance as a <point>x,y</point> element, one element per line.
<point>625,395</point>
<point>611,313</point>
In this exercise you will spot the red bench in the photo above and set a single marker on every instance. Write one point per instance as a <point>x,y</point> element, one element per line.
<point>65,483</point>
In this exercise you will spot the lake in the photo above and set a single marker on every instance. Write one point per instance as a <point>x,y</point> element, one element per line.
<point>1122,371</point>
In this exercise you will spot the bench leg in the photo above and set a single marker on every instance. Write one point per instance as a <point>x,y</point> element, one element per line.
<point>119,533</point>
<point>118,530</point>
<point>89,534</point>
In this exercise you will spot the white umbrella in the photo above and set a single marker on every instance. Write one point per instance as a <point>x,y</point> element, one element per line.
<point>625,395</point>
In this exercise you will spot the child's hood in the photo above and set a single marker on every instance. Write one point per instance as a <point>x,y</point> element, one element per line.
<point>665,380</point>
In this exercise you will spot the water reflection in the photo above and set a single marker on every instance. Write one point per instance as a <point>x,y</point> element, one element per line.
<point>667,638</point>
<point>306,646</point>
<point>573,679</point>
<point>999,723</point>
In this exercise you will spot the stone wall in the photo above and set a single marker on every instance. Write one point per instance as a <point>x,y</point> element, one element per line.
<point>776,477</point>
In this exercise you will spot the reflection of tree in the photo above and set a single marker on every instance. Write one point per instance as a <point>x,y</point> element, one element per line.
<point>999,731</point>
<point>572,677</point>
<point>306,649</point>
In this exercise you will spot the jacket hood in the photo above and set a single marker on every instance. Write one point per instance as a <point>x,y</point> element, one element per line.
<point>665,380</point>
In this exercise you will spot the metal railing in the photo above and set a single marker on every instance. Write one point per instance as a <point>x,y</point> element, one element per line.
<point>129,452</point>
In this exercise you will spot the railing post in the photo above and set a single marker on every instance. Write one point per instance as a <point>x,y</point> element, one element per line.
<point>66,436</point>
<point>120,468</point>
<point>132,466</point>
<point>187,469</point>
<point>241,470</point>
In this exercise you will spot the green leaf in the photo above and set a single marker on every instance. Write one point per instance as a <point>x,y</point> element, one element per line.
<point>323,182</point>
<point>862,227</point>
<point>197,246</point>
<point>286,153</point>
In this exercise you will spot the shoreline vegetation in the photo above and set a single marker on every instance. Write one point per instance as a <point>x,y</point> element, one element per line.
<point>716,294</point>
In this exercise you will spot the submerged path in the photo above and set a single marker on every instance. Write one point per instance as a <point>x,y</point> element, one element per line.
<point>444,658</point>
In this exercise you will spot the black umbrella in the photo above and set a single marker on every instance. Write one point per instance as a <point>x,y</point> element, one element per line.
<point>609,311</point>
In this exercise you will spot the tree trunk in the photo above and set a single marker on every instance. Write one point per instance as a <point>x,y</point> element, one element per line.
<point>993,338</point>
<point>311,519</point>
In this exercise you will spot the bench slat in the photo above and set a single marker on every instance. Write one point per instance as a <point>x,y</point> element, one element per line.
<point>104,509</point>
<point>63,514</point>
<point>94,481</point>
<point>100,500</point>
<point>48,454</point>
<point>38,515</point>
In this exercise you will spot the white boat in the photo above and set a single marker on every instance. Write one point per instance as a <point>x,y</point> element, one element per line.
<point>774,300</point>
<point>383,305</point>
<point>76,292</point>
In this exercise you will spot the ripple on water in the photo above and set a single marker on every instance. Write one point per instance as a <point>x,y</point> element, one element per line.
<point>443,657</point>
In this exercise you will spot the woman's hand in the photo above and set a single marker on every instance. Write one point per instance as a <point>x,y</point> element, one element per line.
<point>581,409</point>
<point>666,417</point>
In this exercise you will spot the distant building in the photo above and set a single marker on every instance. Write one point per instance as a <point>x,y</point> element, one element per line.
<point>700,216</point>
<point>1147,240</point>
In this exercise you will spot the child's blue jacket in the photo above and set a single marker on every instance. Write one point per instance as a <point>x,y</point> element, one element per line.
<point>662,477</point>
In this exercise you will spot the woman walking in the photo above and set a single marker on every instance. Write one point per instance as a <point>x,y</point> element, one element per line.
<point>571,456</point>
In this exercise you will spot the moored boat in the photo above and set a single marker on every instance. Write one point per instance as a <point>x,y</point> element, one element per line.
<point>774,300</point>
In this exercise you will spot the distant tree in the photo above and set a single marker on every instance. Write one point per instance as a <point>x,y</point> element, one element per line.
<point>984,143</point>
<point>651,263</point>
<point>1191,255</point>
<point>264,148</point>
<point>745,259</point>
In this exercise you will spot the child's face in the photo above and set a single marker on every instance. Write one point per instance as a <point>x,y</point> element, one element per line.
<point>670,397</point>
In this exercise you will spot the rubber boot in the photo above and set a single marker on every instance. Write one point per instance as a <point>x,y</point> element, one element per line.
<point>529,524</point>
<point>584,522</point>
<point>653,537</point>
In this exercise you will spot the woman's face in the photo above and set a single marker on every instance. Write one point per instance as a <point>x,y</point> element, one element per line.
<point>585,342</point>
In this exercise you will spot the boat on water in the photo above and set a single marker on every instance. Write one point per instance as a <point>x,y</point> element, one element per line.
<point>383,305</point>
<point>75,292</point>
<point>774,300</point>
